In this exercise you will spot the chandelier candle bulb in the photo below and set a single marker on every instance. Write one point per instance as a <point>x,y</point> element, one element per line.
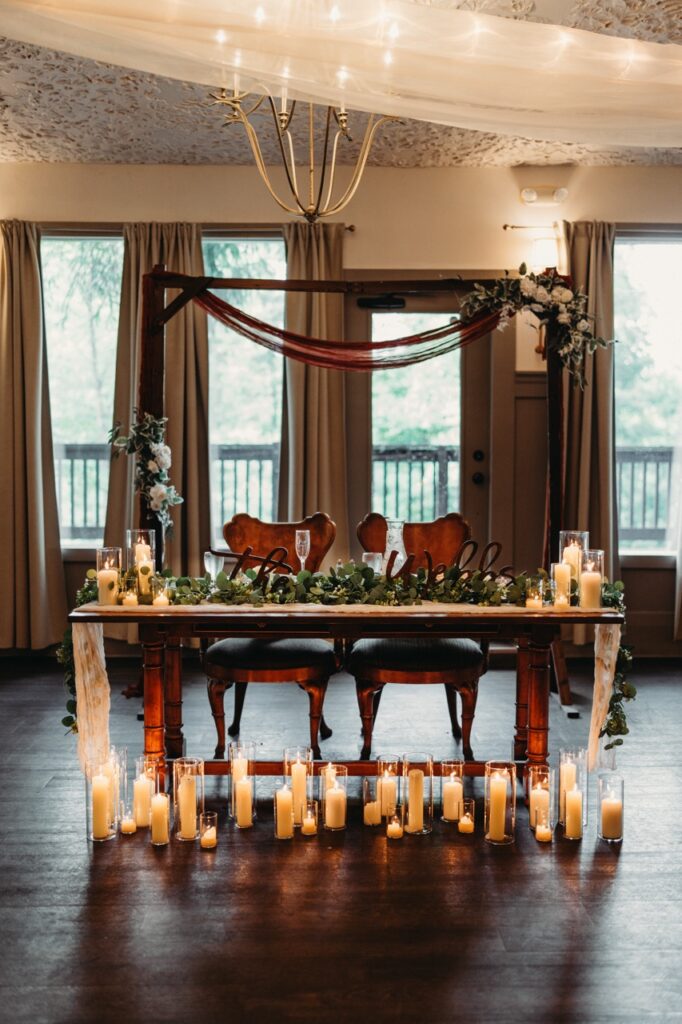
<point>284,813</point>
<point>160,819</point>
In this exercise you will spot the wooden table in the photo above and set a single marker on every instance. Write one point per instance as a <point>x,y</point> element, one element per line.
<point>162,633</point>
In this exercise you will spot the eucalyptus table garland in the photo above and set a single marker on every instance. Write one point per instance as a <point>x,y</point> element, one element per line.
<point>359,584</point>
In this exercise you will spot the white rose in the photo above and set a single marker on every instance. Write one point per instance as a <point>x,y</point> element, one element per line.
<point>565,294</point>
<point>162,454</point>
<point>152,467</point>
<point>528,287</point>
<point>157,494</point>
<point>564,318</point>
<point>541,294</point>
<point>583,325</point>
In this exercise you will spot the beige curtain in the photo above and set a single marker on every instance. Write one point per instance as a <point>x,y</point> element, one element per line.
<point>178,246</point>
<point>313,475</point>
<point>590,477</point>
<point>31,567</point>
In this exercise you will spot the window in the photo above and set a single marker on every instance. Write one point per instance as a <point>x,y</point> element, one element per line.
<point>245,385</point>
<point>647,272</point>
<point>81,288</point>
<point>415,427</point>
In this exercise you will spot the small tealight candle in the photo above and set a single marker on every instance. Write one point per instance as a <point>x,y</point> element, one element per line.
<point>394,827</point>
<point>209,839</point>
<point>543,833</point>
<point>128,825</point>
<point>372,813</point>
<point>309,822</point>
<point>466,823</point>
<point>533,602</point>
<point>208,830</point>
<point>161,600</point>
<point>130,599</point>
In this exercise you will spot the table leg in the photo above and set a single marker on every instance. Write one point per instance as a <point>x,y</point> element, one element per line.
<point>173,698</point>
<point>538,703</point>
<point>152,667</point>
<point>522,678</point>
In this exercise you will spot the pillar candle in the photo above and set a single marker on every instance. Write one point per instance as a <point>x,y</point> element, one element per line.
<point>372,813</point>
<point>590,589</point>
<point>284,811</point>
<point>101,798</point>
<point>143,790</point>
<point>394,830</point>
<point>415,798</point>
<point>130,599</point>
<point>299,788</point>
<point>128,826</point>
<point>110,769</point>
<point>209,839</point>
<point>453,795</point>
<point>107,586</point>
<point>543,833</point>
<point>187,806</point>
<point>574,814</point>
<point>244,803</point>
<point>466,823</point>
<point>160,819</point>
<point>538,809</point>
<point>161,600</point>
<point>335,807</point>
<point>240,768</point>
<point>328,777</point>
<point>143,559</point>
<point>572,556</point>
<point>387,789</point>
<point>562,581</point>
<point>143,553</point>
<point>611,817</point>
<point>497,807</point>
<point>567,777</point>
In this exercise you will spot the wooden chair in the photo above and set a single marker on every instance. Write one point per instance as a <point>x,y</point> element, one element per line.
<point>307,662</point>
<point>457,664</point>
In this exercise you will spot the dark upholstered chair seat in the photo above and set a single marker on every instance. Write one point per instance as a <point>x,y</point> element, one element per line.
<point>270,654</point>
<point>430,654</point>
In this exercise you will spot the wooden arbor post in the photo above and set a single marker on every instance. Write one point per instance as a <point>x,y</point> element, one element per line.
<point>151,394</point>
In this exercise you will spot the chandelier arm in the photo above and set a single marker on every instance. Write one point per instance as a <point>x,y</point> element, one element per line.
<point>332,174</point>
<point>262,170</point>
<point>292,185</point>
<point>292,157</point>
<point>323,172</point>
<point>370,132</point>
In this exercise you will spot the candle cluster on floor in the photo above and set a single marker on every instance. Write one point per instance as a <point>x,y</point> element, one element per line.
<point>400,799</point>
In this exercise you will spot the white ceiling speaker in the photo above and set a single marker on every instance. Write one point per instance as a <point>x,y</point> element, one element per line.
<point>543,195</point>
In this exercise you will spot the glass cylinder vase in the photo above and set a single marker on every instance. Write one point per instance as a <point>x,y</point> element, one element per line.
<point>144,787</point>
<point>108,575</point>
<point>572,546</point>
<point>100,822</point>
<point>298,767</point>
<point>500,802</point>
<point>561,585</point>
<point>371,801</point>
<point>535,591</point>
<point>572,777</point>
<point>188,797</point>
<point>335,800</point>
<point>452,790</point>
<point>418,793</point>
<point>541,796</point>
<point>242,754</point>
<point>141,558</point>
<point>611,794</point>
<point>388,782</point>
<point>394,542</point>
<point>283,806</point>
<point>591,579</point>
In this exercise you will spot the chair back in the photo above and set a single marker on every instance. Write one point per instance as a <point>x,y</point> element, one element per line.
<point>244,531</point>
<point>442,538</point>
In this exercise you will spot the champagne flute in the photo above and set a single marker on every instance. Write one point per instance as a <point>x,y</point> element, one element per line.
<point>302,546</point>
<point>213,563</point>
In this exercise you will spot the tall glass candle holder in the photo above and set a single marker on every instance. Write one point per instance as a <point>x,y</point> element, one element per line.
<point>541,796</point>
<point>326,779</point>
<point>242,756</point>
<point>116,769</point>
<point>298,766</point>
<point>160,592</point>
<point>335,800</point>
<point>283,805</point>
<point>188,797</point>
<point>100,823</point>
<point>108,575</point>
<point>141,558</point>
<point>572,546</point>
<point>394,542</point>
<point>160,818</point>
<point>561,585</point>
<point>572,777</point>
<point>144,787</point>
<point>591,579</point>
<point>388,782</point>
<point>418,793</point>
<point>611,791</point>
<point>371,801</point>
<point>500,802</point>
<point>452,790</point>
<point>535,591</point>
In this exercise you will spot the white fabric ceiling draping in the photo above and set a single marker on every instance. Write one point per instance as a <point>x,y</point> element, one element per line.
<point>395,57</point>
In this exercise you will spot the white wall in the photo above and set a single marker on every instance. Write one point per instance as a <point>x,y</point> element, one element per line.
<point>441,218</point>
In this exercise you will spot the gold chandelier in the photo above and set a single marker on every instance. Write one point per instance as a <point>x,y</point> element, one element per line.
<point>320,201</point>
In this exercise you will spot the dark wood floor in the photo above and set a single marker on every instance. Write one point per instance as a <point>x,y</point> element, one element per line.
<point>338,928</point>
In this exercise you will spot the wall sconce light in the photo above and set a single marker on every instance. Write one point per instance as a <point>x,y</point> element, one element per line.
<point>543,195</point>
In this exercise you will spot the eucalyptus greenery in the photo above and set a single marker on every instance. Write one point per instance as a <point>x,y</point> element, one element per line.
<point>358,584</point>
<point>146,441</point>
<point>558,308</point>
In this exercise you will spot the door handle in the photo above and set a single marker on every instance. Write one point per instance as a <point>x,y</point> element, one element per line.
<point>478,479</point>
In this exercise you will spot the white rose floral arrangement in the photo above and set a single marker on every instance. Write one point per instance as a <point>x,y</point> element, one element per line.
<point>153,460</point>
<point>562,310</point>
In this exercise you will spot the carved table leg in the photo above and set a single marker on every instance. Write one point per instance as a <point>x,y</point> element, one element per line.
<point>521,726</point>
<point>173,698</point>
<point>365,693</point>
<point>538,703</point>
<point>152,667</point>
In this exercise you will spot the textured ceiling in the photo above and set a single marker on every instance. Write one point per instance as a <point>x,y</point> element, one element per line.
<point>59,108</point>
